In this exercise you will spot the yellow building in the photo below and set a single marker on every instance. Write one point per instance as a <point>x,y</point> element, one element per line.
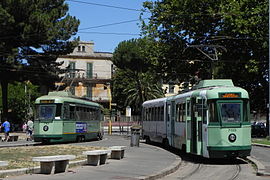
<point>89,73</point>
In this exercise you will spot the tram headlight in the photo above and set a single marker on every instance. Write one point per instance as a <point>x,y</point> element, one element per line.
<point>232,137</point>
<point>45,128</point>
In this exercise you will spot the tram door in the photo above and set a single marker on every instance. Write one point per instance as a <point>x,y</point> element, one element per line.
<point>193,143</point>
<point>170,122</point>
<point>198,118</point>
<point>196,126</point>
<point>188,125</point>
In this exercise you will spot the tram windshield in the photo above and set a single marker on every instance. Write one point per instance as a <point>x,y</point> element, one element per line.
<point>230,112</point>
<point>48,112</point>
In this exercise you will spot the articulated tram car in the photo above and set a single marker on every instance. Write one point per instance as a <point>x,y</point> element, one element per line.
<point>61,117</point>
<point>212,121</point>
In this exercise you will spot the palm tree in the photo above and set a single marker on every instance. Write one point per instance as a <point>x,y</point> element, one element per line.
<point>144,88</point>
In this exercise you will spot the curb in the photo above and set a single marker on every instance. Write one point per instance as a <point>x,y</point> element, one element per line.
<point>261,145</point>
<point>21,171</point>
<point>259,165</point>
<point>171,169</point>
<point>164,172</point>
<point>18,144</point>
<point>32,170</point>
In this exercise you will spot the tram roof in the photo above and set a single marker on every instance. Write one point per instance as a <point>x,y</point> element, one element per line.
<point>64,96</point>
<point>158,101</point>
<point>214,83</point>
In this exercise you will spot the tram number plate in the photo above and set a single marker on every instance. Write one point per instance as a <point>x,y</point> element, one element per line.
<point>232,130</point>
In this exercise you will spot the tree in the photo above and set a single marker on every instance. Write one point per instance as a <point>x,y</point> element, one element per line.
<point>239,26</point>
<point>21,100</point>
<point>135,59</point>
<point>127,93</point>
<point>150,90</point>
<point>33,34</point>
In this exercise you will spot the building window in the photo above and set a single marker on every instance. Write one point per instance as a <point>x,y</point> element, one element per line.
<point>89,91</point>
<point>83,48</point>
<point>89,70</point>
<point>72,69</point>
<point>79,48</point>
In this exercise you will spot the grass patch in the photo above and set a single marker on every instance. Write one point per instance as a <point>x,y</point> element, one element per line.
<point>21,157</point>
<point>265,141</point>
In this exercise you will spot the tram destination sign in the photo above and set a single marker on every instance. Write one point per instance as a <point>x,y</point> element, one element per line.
<point>230,95</point>
<point>46,101</point>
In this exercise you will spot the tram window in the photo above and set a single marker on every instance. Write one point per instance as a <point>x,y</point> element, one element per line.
<point>58,110</point>
<point>154,114</point>
<point>246,112</point>
<point>72,112</point>
<point>184,110</point>
<point>46,112</point>
<point>65,111</point>
<point>168,112</point>
<point>188,108</point>
<point>199,107</point>
<point>177,113</point>
<point>179,116</point>
<point>162,113</point>
<point>145,114</point>
<point>157,113</point>
<point>212,113</point>
<point>158,117</point>
<point>230,112</point>
<point>151,114</point>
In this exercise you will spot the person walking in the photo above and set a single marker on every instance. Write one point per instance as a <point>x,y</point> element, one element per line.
<point>30,128</point>
<point>6,126</point>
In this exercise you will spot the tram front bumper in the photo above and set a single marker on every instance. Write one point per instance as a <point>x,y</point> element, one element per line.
<point>231,151</point>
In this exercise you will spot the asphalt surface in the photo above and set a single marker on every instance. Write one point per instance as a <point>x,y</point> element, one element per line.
<point>261,153</point>
<point>143,162</point>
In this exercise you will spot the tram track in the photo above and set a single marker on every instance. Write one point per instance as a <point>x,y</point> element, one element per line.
<point>195,168</point>
<point>192,172</point>
<point>237,172</point>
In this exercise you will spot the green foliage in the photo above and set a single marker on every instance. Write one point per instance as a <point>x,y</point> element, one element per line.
<point>21,97</point>
<point>127,93</point>
<point>33,34</point>
<point>134,81</point>
<point>131,54</point>
<point>240,26</point>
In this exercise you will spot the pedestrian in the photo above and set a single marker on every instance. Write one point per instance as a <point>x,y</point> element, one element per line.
<point>24,127</point>
<point>6,126</point>
<point>30,128</point>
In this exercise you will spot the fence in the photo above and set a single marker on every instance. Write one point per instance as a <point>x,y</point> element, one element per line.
<point>119,125</point>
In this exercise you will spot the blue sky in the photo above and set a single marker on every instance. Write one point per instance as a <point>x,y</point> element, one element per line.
<point>91,15</point>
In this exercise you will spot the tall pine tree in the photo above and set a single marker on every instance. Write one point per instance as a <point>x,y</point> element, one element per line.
<point>33,33</point>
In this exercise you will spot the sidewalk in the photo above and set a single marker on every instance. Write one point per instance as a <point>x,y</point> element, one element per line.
<point>144,162</point>
<point>262,161</point>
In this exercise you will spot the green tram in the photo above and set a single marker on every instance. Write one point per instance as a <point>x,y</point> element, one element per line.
<point>212,120</point>
<point>61,117</point>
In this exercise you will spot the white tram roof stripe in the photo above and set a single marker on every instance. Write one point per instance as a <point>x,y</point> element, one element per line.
<point>157,102</point>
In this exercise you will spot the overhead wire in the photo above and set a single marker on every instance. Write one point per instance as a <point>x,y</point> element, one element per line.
<point>108,6</point>
<point>112,24</point>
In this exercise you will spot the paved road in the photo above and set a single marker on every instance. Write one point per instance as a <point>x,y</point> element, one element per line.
<point>150,161</point>
<point>138,163</point>
<point>262,154</point>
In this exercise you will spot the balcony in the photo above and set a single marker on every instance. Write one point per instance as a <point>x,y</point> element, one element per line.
<point>85,78</point>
